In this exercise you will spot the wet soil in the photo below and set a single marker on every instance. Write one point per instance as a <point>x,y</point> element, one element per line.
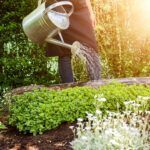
<point>55,139</point>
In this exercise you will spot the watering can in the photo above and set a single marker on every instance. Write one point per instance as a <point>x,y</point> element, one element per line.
<point>43,24</point>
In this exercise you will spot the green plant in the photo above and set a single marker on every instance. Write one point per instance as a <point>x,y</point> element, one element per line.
<point>117,93</point>
<point>2,126</point>
<point>43,110</point>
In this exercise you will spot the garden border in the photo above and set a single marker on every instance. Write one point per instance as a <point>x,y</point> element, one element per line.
<point>94,84</point>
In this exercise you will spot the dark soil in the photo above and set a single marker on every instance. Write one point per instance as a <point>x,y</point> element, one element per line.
<point>56,139</point>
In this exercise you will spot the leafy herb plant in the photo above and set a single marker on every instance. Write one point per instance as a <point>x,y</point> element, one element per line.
<point>38,111</point>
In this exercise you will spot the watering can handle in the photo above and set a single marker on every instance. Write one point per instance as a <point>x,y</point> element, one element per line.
<point>60,4</point>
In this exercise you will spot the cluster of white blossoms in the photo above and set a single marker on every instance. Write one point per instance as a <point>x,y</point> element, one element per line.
<point>118,131</point>
<point>140,102</point>
<point>100,98</point>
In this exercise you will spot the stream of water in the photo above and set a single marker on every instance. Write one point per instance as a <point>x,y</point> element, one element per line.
<point>91,58</point>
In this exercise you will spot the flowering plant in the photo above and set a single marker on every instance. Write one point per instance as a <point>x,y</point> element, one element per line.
<point>126,131</point>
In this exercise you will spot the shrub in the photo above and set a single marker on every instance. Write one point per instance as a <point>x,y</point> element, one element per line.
<point>38,111</point>
<point>24,63</point>
<point>21,61</point>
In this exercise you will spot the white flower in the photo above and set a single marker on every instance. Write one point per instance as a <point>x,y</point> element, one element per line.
<point>147,112</point>
<point>88,128</point>
<point>94,124</point>
<point>80,119</point>
<point>78,129</point>
<point>98,112</point>
<point>139,121</point>
<point>90,115</point>
<point>134,124</point>
<point>109,118</point>
<point>126,103</point>
<point>102,99</point>
<point>114,142</point>
<point>146,98</point>
<point>134,120</point>
<point>104,124</point>
<point>108,111</point>
<point>133,129</point>
<point>136,105</point>
<point>132,101</point>
<point>140,111</point>
<point>91,118</point>
<point>96,96</point>
<point>134,114</point>
<point>117,114</point>
<point>107,132</point>
<point>84,138</point>
<point>71,127</point>
<point>79,124</point>
<point>98,128</point>
<point>94,118</point>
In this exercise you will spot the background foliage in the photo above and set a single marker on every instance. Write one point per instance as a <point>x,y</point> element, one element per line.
<point>123,36</point>
<point>122,42</point>
<point>21,61</point>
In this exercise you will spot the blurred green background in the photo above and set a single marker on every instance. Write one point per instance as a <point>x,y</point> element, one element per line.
<point>122,32</point>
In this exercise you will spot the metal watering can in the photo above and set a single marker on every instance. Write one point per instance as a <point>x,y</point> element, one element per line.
<point>43,24</point>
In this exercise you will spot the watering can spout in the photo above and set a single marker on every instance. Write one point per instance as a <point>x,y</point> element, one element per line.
<point>43,24</point>
<point>75,47</point>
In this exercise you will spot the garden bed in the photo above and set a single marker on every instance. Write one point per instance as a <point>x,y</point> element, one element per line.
<point>55,139</point>
<point>59,138</point>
